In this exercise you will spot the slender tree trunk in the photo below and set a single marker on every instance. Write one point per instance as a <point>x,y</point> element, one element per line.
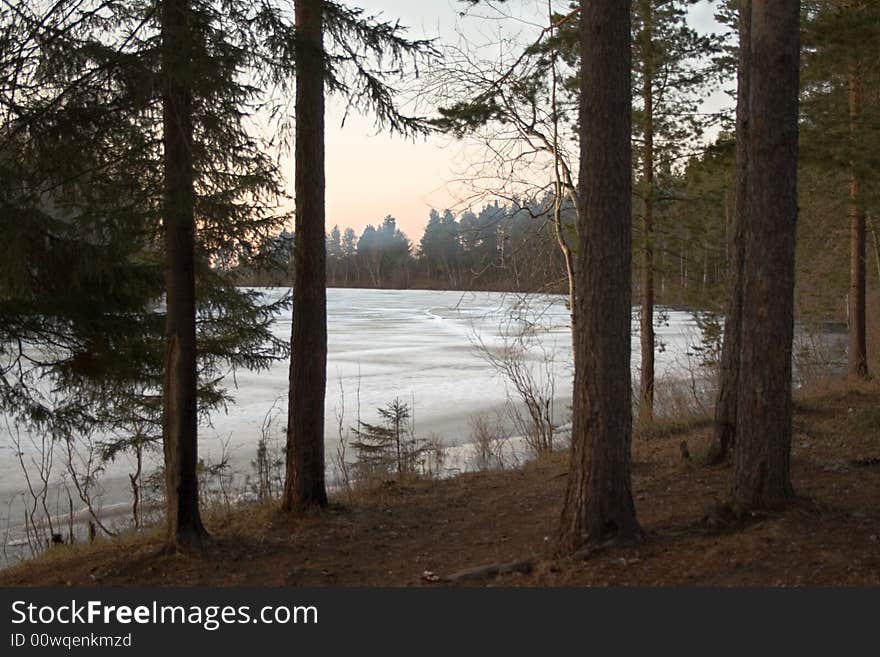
<point>683,263</point>
<point>135,480</point>
<point>724,426</point>
<point>598,506</point>
<point>762,453</point>
<point>304,485</point>
<point>858,349</point>
<point>559,228</point>
<point>646,380</point>
<point>180,413</point>
<point>705,264</point>
<point>870,221</point>
<point>663,265</point>
<point>567,255</point>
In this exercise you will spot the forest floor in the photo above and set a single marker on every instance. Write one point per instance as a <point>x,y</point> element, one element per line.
<point>410,534</point>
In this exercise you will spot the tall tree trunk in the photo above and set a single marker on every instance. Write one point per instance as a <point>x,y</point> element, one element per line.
<point>646,379</point>
<point>180,413</point>
<point>598,504</point>
<point>724,426</point>
<point>304,485</point>
<point>858,349</point>
<point>663,253</point>
<point>762,453</point>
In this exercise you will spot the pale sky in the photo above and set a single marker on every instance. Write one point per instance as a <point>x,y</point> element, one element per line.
<point>370,174</point>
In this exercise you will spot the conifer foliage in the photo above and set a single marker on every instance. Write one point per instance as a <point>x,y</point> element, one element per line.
<point>125,124</point>
<point>390,445</point>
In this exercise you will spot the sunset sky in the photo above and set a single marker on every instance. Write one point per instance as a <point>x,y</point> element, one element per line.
<point>370,174</point>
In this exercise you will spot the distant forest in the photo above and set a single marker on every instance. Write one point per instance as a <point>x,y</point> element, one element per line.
<point>513,246</point>
<point>502,247</point>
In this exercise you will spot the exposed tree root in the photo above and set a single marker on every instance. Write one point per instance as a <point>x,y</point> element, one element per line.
<point>619,540</point>
<point>491,571</point>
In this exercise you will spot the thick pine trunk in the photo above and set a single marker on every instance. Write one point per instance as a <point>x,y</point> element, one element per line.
<point>180,416</point>
<point>304,485</point>
<point>724,427</point>
<point>858,348</point>
<point>762,453</point>
<point>646,288</point>
<point>598,506</point>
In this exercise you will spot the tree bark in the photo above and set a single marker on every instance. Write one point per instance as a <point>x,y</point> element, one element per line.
<point>724,426</point>
<point>598,507</point>
<point>646,378</point>
<point>304,484</point>
<point>180,412</point>
<point>858,348</point>
<point>762,453</point>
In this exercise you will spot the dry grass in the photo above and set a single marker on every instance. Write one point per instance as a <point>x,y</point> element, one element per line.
<point>394,532</point>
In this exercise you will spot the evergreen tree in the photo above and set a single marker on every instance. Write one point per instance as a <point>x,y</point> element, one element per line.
<point>335,48</point>
<point>349,253</point>
<point>487,247</point>
<point>672,72</point>
<point>762,451</point>
<point>369,254</point>
<point>179,394</point>
<point>395,247</point>
<point>598,505</point>
<point>304,481</point>
<point>390,444</point>
<point>125,122</point>
<point>334,255</point>
<point>441,246</point>
<point>841,134</point>
<point>469,235</point>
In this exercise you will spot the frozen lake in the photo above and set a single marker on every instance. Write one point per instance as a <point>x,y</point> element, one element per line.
<point>417,345</point>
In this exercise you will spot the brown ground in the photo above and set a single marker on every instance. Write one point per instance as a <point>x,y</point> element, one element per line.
<point>393,535</point>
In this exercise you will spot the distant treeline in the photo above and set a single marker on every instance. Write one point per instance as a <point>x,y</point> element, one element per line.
<point>514,247</point>
<point>505,247</point>
<point>509,247</point>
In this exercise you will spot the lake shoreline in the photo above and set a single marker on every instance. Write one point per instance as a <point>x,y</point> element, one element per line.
<point>418,532</point>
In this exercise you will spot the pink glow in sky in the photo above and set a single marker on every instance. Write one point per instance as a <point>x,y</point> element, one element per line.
<point>369,173</point>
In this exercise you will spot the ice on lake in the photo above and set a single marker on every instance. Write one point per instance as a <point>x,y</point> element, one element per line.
<point>418,345</point>
<point>425,348</point>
